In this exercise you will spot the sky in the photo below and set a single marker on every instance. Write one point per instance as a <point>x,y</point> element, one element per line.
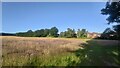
<point>24,16</point>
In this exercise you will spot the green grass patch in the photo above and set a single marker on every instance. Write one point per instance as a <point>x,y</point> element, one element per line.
<point>58,60</point>
<point>94,54</point>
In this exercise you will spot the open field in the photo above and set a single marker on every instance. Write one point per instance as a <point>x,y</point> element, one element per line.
<point>31,51</point>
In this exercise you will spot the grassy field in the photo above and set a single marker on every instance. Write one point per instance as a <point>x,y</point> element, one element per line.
<point>31,51</point>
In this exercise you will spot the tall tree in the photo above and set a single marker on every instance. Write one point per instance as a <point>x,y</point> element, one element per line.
<point>46,32</point>
<point>54,32</point>
<point>37,33</point>
<point>42,32</point>
<point>113,10</point>
<point>83,33</point>
<point>29,33</point>
<point>70,33</point>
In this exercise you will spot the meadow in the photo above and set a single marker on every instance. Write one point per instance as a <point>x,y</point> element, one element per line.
<point>35,51</point>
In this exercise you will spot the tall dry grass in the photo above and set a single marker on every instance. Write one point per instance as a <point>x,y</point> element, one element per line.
<point>18,51</point>
<point>37,46</point>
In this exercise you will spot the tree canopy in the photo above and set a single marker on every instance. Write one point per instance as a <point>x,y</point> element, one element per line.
<point>53,32</point>
<point>113,10</point>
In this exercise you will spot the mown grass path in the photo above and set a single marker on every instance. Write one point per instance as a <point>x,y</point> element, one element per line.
<point>94,54</point>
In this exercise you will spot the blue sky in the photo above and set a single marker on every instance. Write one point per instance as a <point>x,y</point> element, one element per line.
<point>23,16</point>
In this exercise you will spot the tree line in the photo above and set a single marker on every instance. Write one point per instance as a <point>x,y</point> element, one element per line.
<point>53,32</point>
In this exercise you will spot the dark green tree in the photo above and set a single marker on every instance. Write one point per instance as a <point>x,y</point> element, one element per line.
<point>113,10</point>
<point>53,32</point>
<point>29,33</point>
<point>37,33</point>
<point>83,33</point>
<point>46,32</point>
<point>70,33</point>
